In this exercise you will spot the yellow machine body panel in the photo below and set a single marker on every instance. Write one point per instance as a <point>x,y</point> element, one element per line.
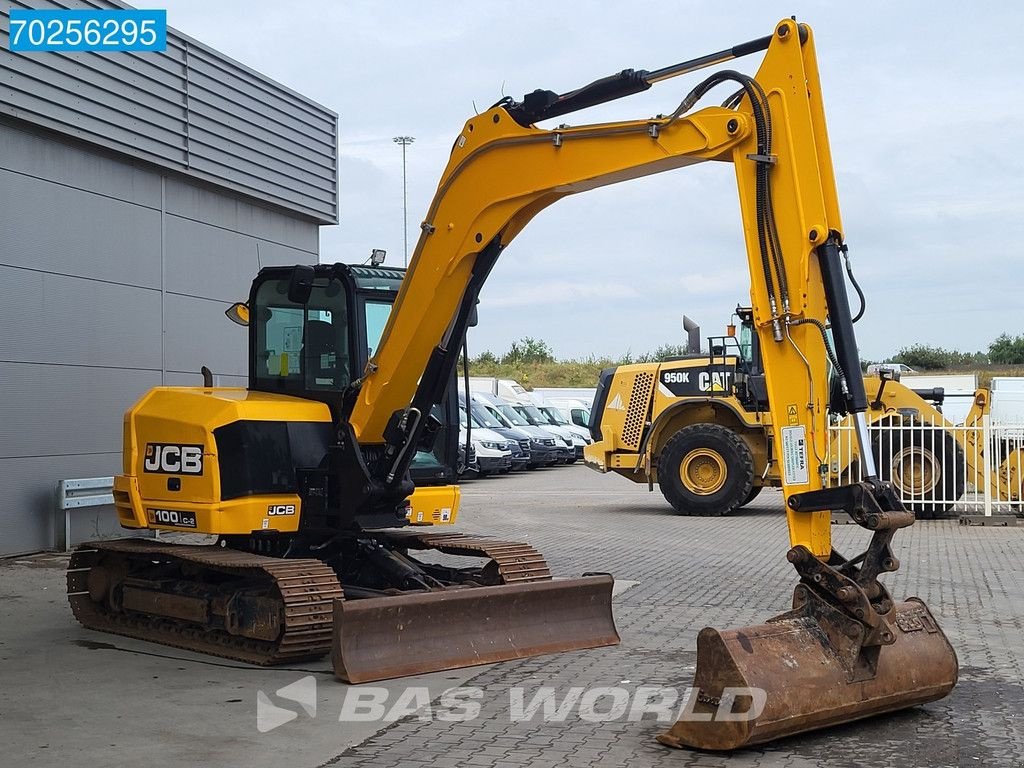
<point>172,475</point>
<point>657,399</point>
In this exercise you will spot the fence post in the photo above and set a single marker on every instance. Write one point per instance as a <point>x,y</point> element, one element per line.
<point>986,440</point>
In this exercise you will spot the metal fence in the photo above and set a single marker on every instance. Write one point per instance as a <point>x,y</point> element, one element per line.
<point>938,468</point>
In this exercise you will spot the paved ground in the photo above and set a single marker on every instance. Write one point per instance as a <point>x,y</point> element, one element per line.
<point>68,695</point>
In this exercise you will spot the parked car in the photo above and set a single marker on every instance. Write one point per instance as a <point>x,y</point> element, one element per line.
<point>493,452</point>
<point>466,463</point>
<point>518,441</point>
<point>898,368</point>
<point>575,411</point>
<point>572,443</point>
<point>581,436</point>
<point>546,449</point>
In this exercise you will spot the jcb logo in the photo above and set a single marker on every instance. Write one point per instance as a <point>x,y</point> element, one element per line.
<point>172,459</point>
<point>279,510</point>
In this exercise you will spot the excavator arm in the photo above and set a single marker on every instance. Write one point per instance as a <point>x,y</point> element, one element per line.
<point>502,173</point>
<point>845,634</point>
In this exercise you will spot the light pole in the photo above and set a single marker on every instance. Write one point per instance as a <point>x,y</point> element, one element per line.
<point>405,141</point>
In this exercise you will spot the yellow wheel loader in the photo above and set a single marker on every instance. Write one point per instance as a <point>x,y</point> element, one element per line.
<point>700,427</point>
<point>847,649</point>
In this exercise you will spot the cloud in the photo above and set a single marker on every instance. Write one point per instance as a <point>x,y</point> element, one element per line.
<point>734,282</point>
<point>558,292</point>
<point>925,145</point>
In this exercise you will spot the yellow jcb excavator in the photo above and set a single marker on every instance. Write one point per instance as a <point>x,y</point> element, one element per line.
<point>847,650</point>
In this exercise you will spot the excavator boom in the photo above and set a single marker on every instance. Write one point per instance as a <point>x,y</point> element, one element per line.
<point>845,633</point>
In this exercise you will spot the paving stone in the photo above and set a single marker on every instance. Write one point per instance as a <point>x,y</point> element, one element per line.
<point>727,572</point>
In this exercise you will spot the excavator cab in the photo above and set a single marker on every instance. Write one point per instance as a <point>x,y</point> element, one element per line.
<point>312,330</point>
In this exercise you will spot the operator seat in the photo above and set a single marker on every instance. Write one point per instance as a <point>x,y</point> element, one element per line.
<point>321,361</point>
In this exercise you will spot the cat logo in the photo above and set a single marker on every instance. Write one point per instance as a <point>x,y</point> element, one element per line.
<point>173,459</point>
<point>714,381</point>
<point>616,404</point>
<point>280,510</point>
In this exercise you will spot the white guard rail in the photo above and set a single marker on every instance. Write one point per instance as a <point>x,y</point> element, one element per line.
<point>76,494</point>
<point>940,468</point>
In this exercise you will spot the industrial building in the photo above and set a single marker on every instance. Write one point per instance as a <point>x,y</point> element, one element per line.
<point>139,192</point>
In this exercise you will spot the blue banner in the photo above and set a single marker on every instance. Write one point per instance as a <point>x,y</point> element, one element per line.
<point>86,30</point>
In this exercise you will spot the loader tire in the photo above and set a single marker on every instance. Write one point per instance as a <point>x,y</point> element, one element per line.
<point>754,490</point>
<point>705,470</point>
<point>926,468</point>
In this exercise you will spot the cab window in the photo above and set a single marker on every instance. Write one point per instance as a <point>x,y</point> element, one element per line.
<point>301,347</point>
<point>746,343</point>
<point>377,313</point>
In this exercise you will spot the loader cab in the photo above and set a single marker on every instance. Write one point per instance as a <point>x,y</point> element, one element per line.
<point>749,387</point>
<point>312,330</point>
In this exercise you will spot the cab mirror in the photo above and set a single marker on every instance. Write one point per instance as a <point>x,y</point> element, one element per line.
<point>238,313</point>
<point>301,284</point>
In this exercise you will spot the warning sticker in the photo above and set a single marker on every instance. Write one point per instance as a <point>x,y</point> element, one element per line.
<point>794,456</point>
<point>792,414</point>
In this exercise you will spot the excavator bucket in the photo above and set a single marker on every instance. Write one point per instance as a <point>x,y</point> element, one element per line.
<point>384,637</point>
<point>802,671</point>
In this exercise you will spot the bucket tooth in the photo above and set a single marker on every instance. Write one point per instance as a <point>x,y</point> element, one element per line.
<point>795,674</point>
<point>411,634</point>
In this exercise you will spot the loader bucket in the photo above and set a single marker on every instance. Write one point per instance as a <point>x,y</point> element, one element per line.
<point>384,637</point>
<point>810,675</point>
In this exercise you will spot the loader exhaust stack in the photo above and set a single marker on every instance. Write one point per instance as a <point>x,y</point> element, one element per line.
<point>381,638</point>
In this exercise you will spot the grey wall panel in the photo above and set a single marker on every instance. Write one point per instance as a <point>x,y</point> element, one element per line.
<point>286,122</point>
<point>51,410</point>
<point>60,229</point>
<point>29,153</point>
<point>117,265</point>
<point>28,485</point>
<point>198,334</point>
<point>48,318</point>
<point>75,106</point>
<point>228,212</point>
<point>210,262</point>
<point>90,96</point>
<point>214,263</point>
<point>189,109</point>
<point>251,165</point>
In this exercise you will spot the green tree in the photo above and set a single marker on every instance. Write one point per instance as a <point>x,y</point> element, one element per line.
<point>923,357</point>
<point>485,358</point>
<point>1007,350</point>
<point>928,358</point>
<point>663,353</point>
<point>528,350</point>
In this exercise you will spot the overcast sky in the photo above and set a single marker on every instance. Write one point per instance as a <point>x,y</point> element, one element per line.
<point>924,114</point>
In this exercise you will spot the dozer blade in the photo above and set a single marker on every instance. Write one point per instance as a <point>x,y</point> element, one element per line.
<point>384,637</point>
<point>805,673</point>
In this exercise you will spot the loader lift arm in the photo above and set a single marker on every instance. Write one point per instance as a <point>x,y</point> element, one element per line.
<point>504,170</point>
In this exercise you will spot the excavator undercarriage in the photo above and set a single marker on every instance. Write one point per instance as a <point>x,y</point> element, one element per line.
<point>270,610</point>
